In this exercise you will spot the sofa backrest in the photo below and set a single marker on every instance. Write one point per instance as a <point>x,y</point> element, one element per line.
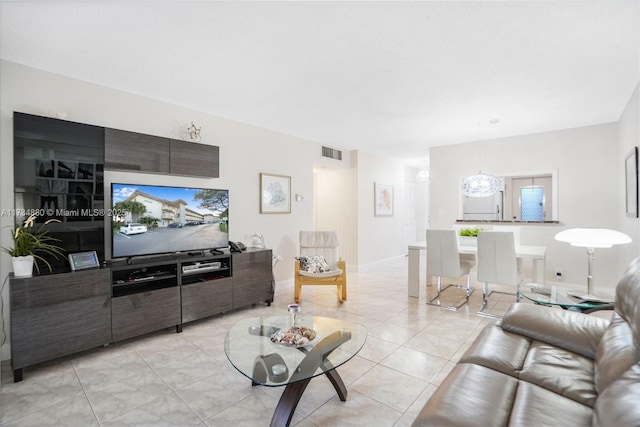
<point>617,367</point>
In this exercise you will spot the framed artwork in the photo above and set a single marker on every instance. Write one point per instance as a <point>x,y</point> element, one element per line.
<point>631,180</point>
<point>383,199</point>
<point>275,194</point>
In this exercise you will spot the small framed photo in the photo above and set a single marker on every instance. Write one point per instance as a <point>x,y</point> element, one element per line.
<point>383,199</point>
<point>631,180</point>
<point>275,194</point>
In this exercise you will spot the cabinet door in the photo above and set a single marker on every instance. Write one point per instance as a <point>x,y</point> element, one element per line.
<point>204,299</point>
<point>135,151</point>
<point>252,277</point>
<point>144,312</point>
<point>57,315</point>
<point>191,159</point>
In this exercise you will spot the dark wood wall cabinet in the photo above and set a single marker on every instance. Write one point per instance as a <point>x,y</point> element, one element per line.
<point>137,152</point>
<point>191,159</point>
<point>57,315</point>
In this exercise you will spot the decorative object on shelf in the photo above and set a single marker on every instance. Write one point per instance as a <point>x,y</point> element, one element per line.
<point>591,238</point>
<point>28,243</point>
<point>192,133</point>
<point>275,193</point>
<point>480,184</point>
<point>631,180</point>
<point>383,199</point>
<point>258,241</point>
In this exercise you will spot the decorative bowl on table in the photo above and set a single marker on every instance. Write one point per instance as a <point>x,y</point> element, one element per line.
<point>294,337</point>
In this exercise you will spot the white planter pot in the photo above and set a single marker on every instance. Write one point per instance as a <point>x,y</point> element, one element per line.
<point>467,241</point>
<point>22,266</point>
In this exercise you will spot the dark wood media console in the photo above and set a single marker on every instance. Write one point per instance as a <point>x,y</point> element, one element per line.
<point>61,314</point>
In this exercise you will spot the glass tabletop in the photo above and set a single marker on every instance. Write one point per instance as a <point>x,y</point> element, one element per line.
<point>560,296</point>
<point>250,350</point>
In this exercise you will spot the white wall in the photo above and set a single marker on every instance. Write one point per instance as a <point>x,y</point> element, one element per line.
<point>589,174</point>
<point>336,209</point>
<point>629,137</point>
<point>379,238</point>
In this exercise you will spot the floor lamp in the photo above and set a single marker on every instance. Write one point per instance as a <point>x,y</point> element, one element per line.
<point>592,238</point>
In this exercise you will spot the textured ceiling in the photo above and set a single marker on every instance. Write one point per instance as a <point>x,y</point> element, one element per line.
<point>391,78</point>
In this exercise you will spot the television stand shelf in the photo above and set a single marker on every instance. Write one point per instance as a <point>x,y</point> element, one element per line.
<point>85,309</point>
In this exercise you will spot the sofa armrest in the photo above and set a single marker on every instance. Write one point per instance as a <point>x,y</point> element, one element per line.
<point>573,331</point>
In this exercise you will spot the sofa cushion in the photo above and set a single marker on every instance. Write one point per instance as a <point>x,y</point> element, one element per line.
<point>498,349</point>
<point>561,371</point>
<point>618,404</point>
<point>472,394</point>
<point>573,331</point>
<point>537,406</point>
<point>616,353</point>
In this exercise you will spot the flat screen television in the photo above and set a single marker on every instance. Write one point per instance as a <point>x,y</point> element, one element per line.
<point>153,219</point>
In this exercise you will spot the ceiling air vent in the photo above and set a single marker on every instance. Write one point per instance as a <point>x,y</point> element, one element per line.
<point>331,153</point>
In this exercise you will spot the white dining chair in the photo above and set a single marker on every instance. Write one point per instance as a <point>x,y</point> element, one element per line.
<point>444,260</point>
<point>497,264</point>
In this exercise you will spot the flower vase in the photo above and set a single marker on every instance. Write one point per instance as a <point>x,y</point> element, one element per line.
<point>22,266</point>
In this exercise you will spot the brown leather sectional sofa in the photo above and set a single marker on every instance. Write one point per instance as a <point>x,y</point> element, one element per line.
<point>548,367</point>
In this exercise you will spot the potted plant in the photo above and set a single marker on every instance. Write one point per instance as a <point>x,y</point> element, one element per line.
<point>468,236</point>
<point>30,243</point>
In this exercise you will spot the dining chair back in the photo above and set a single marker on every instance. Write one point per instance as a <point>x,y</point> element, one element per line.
<point>444,260</point>
<point>497,263</point>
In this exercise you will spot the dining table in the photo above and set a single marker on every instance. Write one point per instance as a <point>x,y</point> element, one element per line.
<point>537,255</point>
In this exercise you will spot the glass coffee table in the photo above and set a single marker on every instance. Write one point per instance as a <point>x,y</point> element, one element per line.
<point>249,348</point>
<point>559,296</point>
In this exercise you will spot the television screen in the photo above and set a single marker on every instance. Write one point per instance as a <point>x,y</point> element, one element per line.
<point>152,219</point>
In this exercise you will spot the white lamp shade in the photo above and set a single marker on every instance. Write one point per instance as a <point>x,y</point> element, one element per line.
<point>592,237</point>
<point>423,176</point>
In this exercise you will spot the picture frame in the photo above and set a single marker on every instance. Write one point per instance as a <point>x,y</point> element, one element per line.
<point>631,183</point>
<point>383,199</point>
<point>275,194</point>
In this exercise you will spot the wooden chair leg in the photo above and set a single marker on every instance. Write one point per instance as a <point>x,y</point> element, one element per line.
<point>342,289</point>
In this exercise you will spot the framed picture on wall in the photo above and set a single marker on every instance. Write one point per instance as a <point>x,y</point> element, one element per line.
<point>631,180</point>
<point>275,193</point>
<point>383,199</point>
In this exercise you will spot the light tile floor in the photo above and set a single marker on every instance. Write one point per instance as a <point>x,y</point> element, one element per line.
<point>169,379</point>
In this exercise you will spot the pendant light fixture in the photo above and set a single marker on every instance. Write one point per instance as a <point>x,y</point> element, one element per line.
<point>480,184</point>
<point>423,174</point>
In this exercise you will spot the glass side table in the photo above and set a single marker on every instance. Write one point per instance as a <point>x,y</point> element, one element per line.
<point>559,296</point>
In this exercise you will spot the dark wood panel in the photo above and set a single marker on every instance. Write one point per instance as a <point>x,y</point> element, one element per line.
<point>54,316</point>
<point>252,277</point>
<point>141,313</point>
<point>191,159</point>
<point>200,300</point>
<point>135,151</point>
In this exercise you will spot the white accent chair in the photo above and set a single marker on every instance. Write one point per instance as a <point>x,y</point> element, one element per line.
<point>497,264</point>
<point>443,259</point>
<point>324,243</point>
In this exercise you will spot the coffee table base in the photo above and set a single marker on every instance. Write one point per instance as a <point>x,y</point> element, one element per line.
<point>293,392</point>
<point>314,359</point>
